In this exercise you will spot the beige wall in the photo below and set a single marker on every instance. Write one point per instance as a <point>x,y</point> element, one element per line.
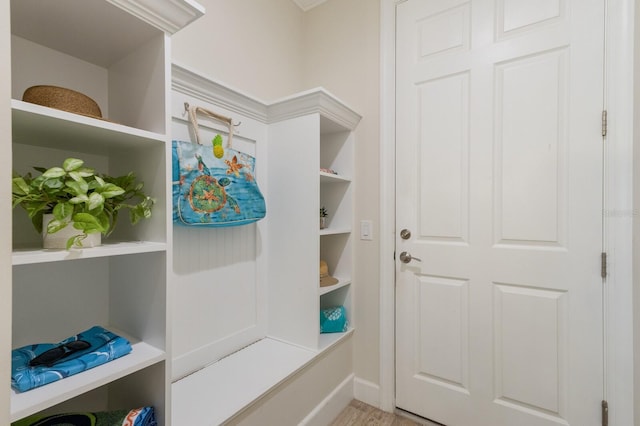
<point>342,54</point>
<point>636,220</point>
<point>254,46</point>
<point>271,49</point>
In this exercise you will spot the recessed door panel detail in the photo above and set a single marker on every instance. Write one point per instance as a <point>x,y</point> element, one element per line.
<point>446,31</point>
<point>530,147</point>
<point>444,158</point>
<point>442,331</point>
<point>530,348</point>
<point>519,14</point>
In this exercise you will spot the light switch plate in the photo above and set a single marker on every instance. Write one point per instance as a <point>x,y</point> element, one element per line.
<point>366,230</point>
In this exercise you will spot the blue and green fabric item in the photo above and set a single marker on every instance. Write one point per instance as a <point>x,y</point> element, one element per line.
<point>333,320</point>
<point>214,186</point>
<point>103,346</point>
<point>144,416</point>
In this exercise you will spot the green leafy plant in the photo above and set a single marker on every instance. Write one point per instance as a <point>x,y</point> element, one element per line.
<point>323,212</point>
<point>76,194</point>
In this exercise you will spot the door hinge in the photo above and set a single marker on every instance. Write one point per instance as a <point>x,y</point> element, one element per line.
<point>604,123</point>
<point>603,265</point>
<point>605,413</point>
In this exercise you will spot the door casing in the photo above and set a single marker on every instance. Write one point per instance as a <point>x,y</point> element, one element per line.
<point>618,215</point>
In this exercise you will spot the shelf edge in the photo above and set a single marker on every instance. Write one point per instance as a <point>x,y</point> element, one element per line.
<point>339,285</point>
<point>35,256</point>
<point>337,231</point>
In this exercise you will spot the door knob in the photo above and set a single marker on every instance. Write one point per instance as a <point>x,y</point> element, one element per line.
<point>406,257</point>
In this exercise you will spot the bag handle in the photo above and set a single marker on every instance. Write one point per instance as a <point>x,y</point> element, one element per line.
<point>193,117</point>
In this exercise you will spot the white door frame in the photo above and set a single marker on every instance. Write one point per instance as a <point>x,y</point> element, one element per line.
<point>618,217</point>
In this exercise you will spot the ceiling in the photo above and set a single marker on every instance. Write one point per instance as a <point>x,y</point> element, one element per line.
<point>308,4</point>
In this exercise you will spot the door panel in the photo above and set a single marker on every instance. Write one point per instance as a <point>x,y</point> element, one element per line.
<point>519,14</point>
<point>499,177</point>
<point>530,347</point>
<point>531,107</point>
<point>444,331</point>
<point>444,205</point>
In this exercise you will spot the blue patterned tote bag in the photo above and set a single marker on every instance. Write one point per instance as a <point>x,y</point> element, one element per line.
<point>214,185</point>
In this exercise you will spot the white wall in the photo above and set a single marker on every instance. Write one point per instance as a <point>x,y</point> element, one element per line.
<point>252,45</point>
<point>5,210</point>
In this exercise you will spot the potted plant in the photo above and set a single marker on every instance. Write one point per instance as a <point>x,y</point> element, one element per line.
<point>78,199</point>
<point>323,217</point>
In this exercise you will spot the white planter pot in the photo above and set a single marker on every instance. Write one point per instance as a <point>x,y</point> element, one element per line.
<point>59,239</point>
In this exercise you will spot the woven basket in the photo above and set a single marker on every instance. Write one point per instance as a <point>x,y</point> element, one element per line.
<point>63,99</point>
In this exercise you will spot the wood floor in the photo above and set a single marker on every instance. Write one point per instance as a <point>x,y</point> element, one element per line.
<point>359,413</point>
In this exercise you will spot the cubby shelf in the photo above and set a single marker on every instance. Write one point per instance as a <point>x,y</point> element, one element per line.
<point>335,231</point>
<point>26,403</point>
<point>332,178</point>
<point>48,127</point>
<point>28,256</point>
<point>312,122</point>
<point>342,282</point>
<point>117,53</point>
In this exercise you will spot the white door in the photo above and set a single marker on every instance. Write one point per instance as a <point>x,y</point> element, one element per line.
<point>499,181</point>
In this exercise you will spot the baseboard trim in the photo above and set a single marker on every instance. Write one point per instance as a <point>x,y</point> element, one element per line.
<point>367,392</point>
<point>332,405</point>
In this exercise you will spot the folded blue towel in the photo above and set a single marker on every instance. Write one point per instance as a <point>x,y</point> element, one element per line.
<point>334,320</point>
<point>104,346</point>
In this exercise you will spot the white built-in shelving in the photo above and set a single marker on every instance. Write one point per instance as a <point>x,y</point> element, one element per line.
<point>116,52</point>
<point>294,138</point>
<point>311,165</point>
<point>336,196</point>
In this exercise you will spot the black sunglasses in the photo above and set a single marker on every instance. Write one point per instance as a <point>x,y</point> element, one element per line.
<point>54,355</point>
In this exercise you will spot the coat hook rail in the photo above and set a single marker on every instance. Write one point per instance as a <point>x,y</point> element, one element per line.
<point>212,114</point>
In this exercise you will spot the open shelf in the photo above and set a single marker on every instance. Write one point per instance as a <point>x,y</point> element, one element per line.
<point>30,402</point>
<point>28,256</point>
<point>332,178</point>
<point>43,126</point>
<point>45,136</point>
<point>96,31</point>
<point>335,231</point>
<point>341,283</point>
<point>116,52</point>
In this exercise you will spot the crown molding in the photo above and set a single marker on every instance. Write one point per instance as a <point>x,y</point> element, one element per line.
<point>212,92</point>
<point>318,100</point>
<point>168,15</point>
